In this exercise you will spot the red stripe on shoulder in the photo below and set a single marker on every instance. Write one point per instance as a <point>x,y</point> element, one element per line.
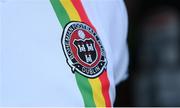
<point>82,13</point>
<point>105,87</point>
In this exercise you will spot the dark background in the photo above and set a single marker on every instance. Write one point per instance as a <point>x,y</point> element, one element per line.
<point>154,46</point>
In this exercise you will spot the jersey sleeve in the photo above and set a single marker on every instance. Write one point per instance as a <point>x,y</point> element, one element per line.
<point>119,43</point>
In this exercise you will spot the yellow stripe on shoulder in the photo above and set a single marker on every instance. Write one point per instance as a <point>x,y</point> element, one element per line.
<point>71,10</point>
<point>97,92</point>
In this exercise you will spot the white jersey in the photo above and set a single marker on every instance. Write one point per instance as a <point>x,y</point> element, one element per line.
<point>62,52</point>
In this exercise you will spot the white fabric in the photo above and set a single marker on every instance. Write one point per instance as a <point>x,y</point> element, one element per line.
<point>0,53</point>
<point>33,68</point>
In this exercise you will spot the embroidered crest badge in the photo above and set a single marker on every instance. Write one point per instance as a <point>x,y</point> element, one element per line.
<point>83,49</point>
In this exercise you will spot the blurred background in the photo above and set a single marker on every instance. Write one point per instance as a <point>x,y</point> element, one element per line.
<point>154,45</point>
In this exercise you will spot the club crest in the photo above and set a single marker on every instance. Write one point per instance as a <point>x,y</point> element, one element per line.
<point>83,49</point>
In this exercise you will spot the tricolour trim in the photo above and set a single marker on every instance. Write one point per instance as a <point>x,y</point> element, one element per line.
<point>95,91</point>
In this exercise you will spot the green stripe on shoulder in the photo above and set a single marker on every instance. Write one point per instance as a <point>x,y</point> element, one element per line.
<point>86,90</point>
<point>61,13</point>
